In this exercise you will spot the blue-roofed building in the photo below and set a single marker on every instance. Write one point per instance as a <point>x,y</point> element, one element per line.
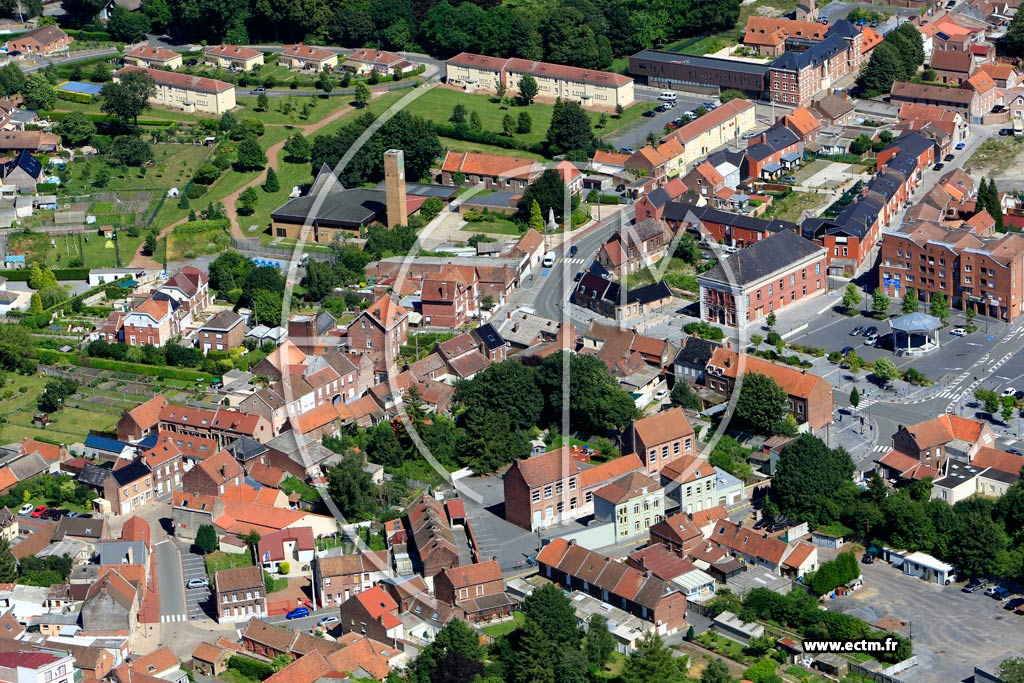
<point>104,448</point>
<point>23,172</point>
<point>796,77</point>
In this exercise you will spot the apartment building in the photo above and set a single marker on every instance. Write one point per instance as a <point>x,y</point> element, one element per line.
<point>660,439</point>
<point>37,667</point>
<point>155,57</point>
<point>240,594</point>
<point>589,87</point>
<point>300,57</point>
<point>191,94</point>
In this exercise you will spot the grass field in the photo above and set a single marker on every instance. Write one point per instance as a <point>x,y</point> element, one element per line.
<point>463,146</point>
<point>156,112</point>
<point>792,206</point>
<point>319,108</point>
<point>97,252</point>
<point>218,560</point>
<point>289,175</point>
<point>505,627</point>
<point>173,165</point>
<point>68,425</point>
<point>495,226</point>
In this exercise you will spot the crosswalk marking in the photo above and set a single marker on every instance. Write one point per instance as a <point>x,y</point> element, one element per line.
<point>574,260</point>
<point>879,449</point>
<point>168,618</point>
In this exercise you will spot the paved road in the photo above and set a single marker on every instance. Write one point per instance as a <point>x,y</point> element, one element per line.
<point>635,134</point>
<point>170,581</point>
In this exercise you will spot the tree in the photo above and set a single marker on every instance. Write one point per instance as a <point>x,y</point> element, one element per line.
<point>247,201</point>
<point>8,563</point>
<point>129,97</point>
<point>351,488</point>
<point>320,280</point>
<point>885,371</point>
<point>854,397</point>
<point>475,122</point>
<point>508,124</point>
<point>250,156</point>
<point>1012,670</point>
<point>597,404</point>
<point>553,613</point>
<point>684,397</point>
<point>251,539</point>
<point>81,12</point>
<point>456,640</point>
<point>524,123</point>
<point>910,302</point>
<point>549,193</point>
<point>509,387</point>
<point>76,128</point>
<point>716,671</point>
<point>883,68</point>
<point>989,400</point>
<point>206,538</point>
<point>527,90</point>
<point>880,302</point>
<point>762,405</point>
<point>731,456</point>
<point>272,184</point>
<point>809,477</point>
<point>536,217</point>
<point>149,244</point>
<point>35,304</point>
<point>570,129</point>
<point>266,307</point>
<point>38,92</point>
<point>298,148</point>
<point>362,95</point>
<point>939,307</point>
<point>159,13</point>
<point>1008,408</point>
<point>12,79</point>
<point>458,114</point>
<point>101,73</point>
<point>262,103</point>
<point>326,82</point>
<point>651,662</point>
<point>851,296</point>
<point>770,320</point>
<point>598,643</point>
<point>130,150</point>
<point>129,27</point>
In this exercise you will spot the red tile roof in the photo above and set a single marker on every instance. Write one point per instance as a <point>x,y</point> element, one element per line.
<point>749,542</point>
<point>540,69</point>
<point>375,57</point>
<point>800,554</point>
<point>998,460</point>
<point>609,470</point>
<point>795,382</point>
<point>666,426</point>
<point>546,468</point>
<point>238,51</point>
<point>381,607</point>
<point>491,165</point>
<point>271,546</point>
<point>182,81</point>
<point>474,574</point>
<point>694,129</point>
<point>301,51</point>
<point>149,53</point>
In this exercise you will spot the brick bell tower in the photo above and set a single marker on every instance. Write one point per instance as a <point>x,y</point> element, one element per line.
<point>394,186</point>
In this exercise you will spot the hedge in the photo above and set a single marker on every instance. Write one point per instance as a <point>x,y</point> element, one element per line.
<point>250,668</point>
<point>197,227</point>
<point>835,573</point>
<point>486,137</point>
<point>22,274</point>
<point>79,97</point>
<point>160,371</point>
<point>103,118</point>
<point>51,357</point>
<point>97,36</point>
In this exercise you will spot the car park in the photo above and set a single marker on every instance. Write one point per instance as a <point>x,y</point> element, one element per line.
<point>298,613</point>
<point>974,585</point>
<point>26,509</point>
<point>958,332</point>
<point>856,331</point>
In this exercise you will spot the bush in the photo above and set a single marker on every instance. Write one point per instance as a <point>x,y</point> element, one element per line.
<point>195,190</point>
<point>60,273</point>
<point>201,226</point>
<point>250,668</point>
<point>704,330</point>
<point>835,573</point>
<point>150,370</point>
<point>79,97</point>
<point>284,567</point>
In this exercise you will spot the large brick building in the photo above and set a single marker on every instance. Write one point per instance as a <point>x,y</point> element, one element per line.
<point>797,77</point>
<point>543,490</point>
<point>767,276</point>
<point>660,439</point>
<point>379,332</point>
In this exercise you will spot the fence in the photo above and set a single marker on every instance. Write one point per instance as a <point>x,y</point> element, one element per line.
<point>250,246</point>
<point>885,675</point>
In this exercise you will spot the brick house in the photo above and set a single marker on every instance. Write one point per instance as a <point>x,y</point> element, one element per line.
<point>141,420</point>
<point>492,171</point>
<point>476,589</point>
<point>677,533</point>
<point>150,323</point>
<point>190,288</point>
<point>433,542</point>
<point>450,297</point>
<point>214,475</point>
<point>222,332</point>
<point>40,41</point>
<point>379,332</point>
<point>129,487</point>
<point>660,439</point>
<point>167,463</point>
<point>543,490</point>
<point>572,567</point>
<point>772,153</point>
<point>797,77</point>
<point>336,579</point>
<point>939,439</point>
<point>810,396</point>
<point>764,278</point>
<point>723,227</point>
<point>240,594</point>
<point>374,614</point>
<point>633,248</point>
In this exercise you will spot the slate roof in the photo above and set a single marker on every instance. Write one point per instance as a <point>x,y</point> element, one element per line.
<point>763,258</point>
<point>696,352</point>
<point>820,52</point>
<point>133,471</point>
<point>104,444</point>
<point>680,211</point>
<point>775,139</point>
<point>487,335</point>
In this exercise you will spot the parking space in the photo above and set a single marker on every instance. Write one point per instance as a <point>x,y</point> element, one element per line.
<point>509,544</point>
<point>193,566</point>
<point>944,622</point>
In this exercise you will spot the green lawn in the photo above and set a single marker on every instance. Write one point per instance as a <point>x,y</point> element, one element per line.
<point>156,112</point>
<point>320,108</point>
<point>97,252</point>
<point>218,560</point>
<point>463,146</point>
<point>289,175</point>
<point>505,627</point>
<point>18,398</point>
<point>792,206</point>
<point>494,226</point>
<point>173,165</point>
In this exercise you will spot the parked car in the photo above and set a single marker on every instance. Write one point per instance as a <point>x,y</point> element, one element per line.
<point>661,394</point>
<point>26,508</point>
<point>948,157</point>
<point>939,166</point>
<point>868,558</point>
<point>856,331</point>
<point>846,350</point>
<point>650,113</point>
<point>1014,603</point>
<point>763,522</point>
<point>73,515</point>
<point>749,136</point>
<point>198,582</point>
<point>1009,391</point>
<point>789,179</point>
<point>578,276</point>
<point>627,150</point>
<point>39,511</point>
<point>257,91</point>
<point>325,621</point>
<point>958,332</point>
<point>998,592</point>
<point>689,116</point>
<point>298,613</point>
<point>975,585</point>
<point>668,96</point>
<point>959,146</point>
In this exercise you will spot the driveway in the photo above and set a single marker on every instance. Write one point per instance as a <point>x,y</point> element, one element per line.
<point>951,630</point>
<point>172,585</point>
<point>507,543</point>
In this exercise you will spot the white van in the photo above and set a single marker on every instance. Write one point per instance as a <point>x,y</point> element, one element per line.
<point>549,259</point>
<point>668,96</point>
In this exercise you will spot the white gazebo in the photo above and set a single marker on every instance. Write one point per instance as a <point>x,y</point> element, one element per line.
<point>921,325</point>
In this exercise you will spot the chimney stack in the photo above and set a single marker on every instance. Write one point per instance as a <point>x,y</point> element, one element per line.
<point>394,185</point>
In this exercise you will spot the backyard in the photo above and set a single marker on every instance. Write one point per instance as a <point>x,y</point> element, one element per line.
<point>791,207</point>
<point>94,250</point>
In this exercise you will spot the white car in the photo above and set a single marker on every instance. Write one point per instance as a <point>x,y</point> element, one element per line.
<point>1009,391</point>
<point>26,509</point>
<point>327,621</point>
<point>958,332</point>
<point>197,582</point>
<point>660,396</point>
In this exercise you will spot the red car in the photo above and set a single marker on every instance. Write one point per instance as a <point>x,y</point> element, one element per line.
<point>38,512</point>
